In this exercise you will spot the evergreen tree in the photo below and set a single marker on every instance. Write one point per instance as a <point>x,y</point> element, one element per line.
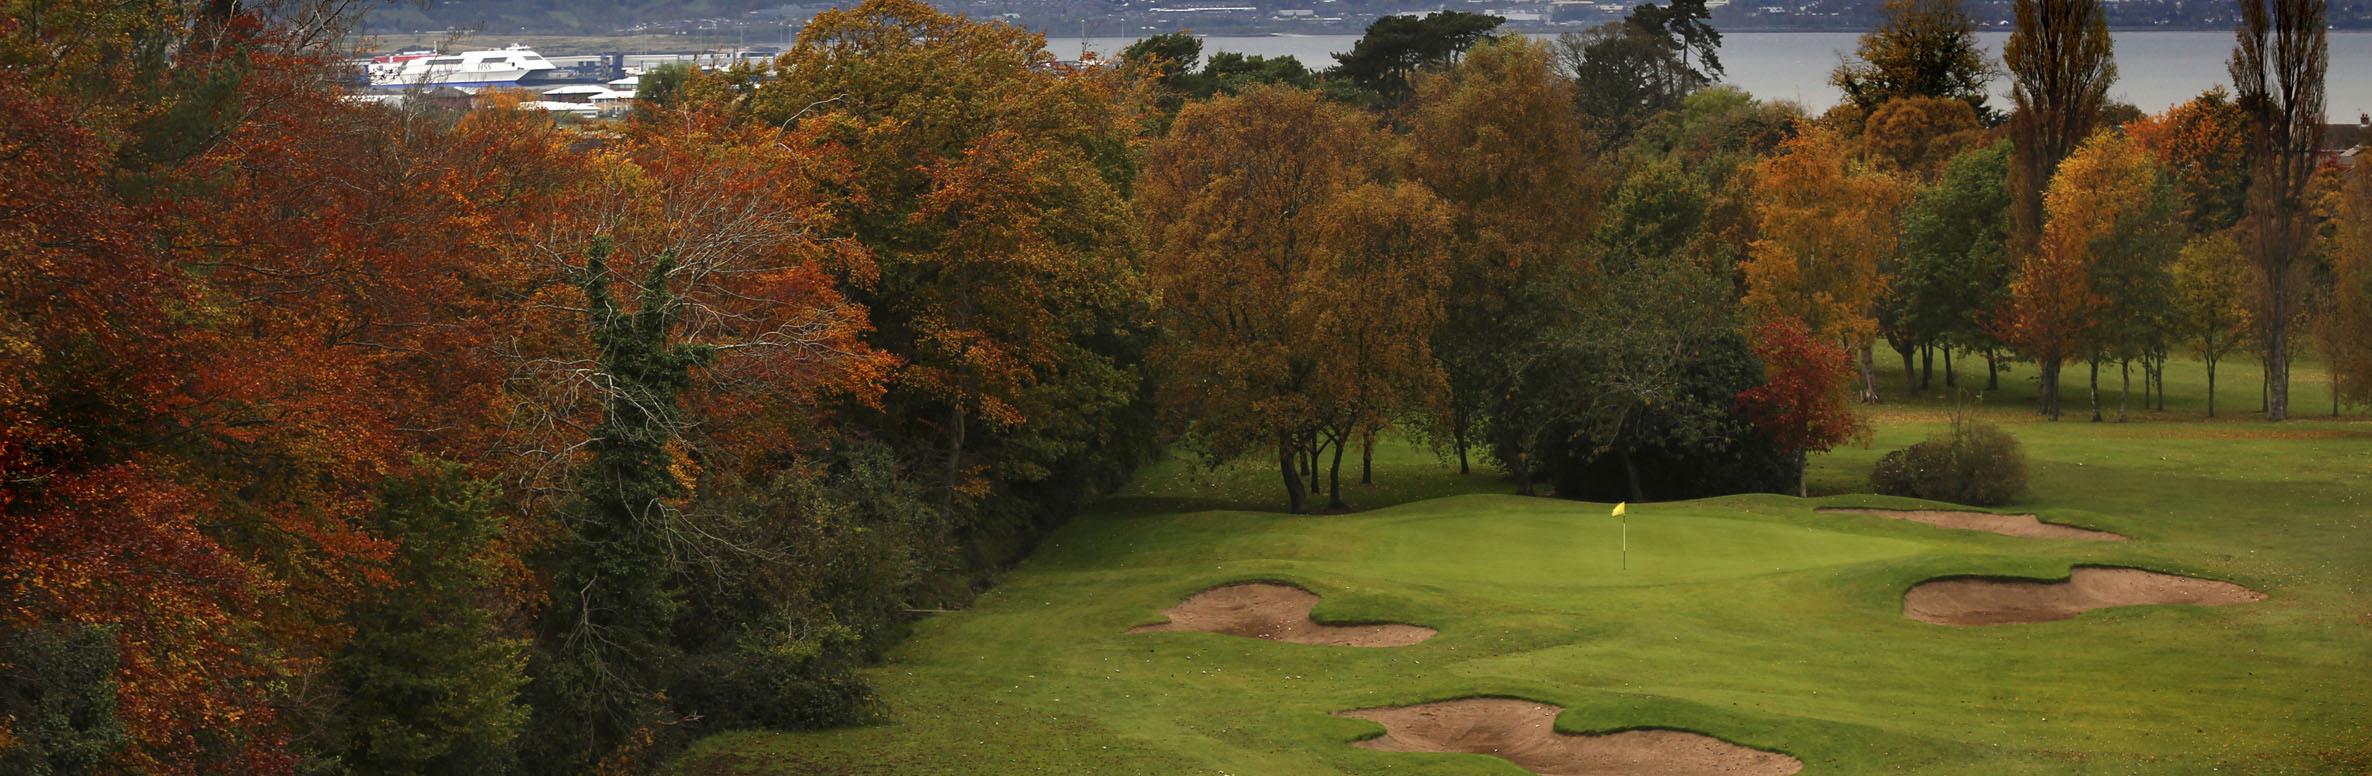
<point>606,635</point>
<point>430,685</point>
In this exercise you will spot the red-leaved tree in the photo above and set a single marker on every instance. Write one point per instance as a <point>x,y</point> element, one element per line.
<point>1805,403</point>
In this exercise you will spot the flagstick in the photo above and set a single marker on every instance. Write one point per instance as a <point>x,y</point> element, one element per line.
<point>1626,542</point>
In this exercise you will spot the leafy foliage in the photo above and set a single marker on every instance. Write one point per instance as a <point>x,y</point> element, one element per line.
<point>1393,49</point>
<point>1276,236</point>
<point>429,680</point>
<point>1803,405</point>
<point>1920,48</point>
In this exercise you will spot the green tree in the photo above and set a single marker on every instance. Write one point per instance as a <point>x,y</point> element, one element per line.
<point>1920,48</point>
<point>1955,272</point>
<point>430,683</point>
<point>606,637</point>
<point>1625,72</point>
<point>58,694</point>
<point>1388,56</point>
<point>2211,304</point>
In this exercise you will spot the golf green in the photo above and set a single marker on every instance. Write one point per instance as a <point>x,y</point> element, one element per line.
<point>1753,619</point>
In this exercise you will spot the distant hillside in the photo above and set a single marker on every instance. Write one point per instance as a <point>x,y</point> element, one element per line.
<point>771,19</point>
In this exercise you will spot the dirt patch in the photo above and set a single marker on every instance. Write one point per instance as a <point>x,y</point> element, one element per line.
<point>1994,601</point>
<point>2026,526</point>
<point>1524,733</point>
<point>1268,610</point>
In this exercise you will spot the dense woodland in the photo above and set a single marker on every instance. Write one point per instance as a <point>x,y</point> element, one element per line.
<point>340,438</point>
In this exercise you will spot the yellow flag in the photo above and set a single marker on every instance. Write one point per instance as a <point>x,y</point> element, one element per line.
<point>1618,509</point>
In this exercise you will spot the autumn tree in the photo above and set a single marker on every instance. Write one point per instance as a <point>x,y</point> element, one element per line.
<point>1804,403</point>
<point>988,183</point>
<point>1920,48</point>
<point>2134,233</point>
<point>1384,256</point>
<point>2099,287</point>
<point>2211,300</point>
<point>2349,313</point>
<point>1827,227</point>
<point>2204,144</point>
<point>2277,76</point>
<point>1497,140</point>
<point>2060,63</point>
<point>1256,205</point>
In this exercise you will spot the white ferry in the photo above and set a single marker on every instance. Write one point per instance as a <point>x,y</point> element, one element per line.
<point>511,66</point>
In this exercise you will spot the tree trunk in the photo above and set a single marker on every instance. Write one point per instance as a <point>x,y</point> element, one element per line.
<point>2211,384</point>
<point>1926,366</point>
<point>2046,390</point>
<point>1367,458</point>
<point>1910,374</point>
<point>1334,474</point>
<point>1458,434</point>
<point>1631,473</point>
<point>1288,462</point>
<point>955,457</point>
<point>1803,489</point>
<point>2125,393</point>
<point>1869,373</point>
<point>1993,372</point>
<point>1951,380</point>
<point>2096,389</point>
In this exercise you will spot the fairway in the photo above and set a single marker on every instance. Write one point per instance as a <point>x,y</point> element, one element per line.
<point>1752,619</point>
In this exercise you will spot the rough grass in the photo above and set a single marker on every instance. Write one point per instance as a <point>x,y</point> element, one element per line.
<point>1749,618</point>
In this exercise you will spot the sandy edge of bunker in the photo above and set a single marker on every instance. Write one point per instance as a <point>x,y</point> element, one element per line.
<point>2022,526</point>
<point>1977,600</point>
<point>1278,612</point>
<point>1524,732</point>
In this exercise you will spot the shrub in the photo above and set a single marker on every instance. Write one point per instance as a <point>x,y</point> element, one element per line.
<point>1972,463</point>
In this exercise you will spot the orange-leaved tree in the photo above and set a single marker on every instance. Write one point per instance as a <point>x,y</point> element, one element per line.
<point>1827,227</point>
<point>2099,286</point>
<point>1383,256</point>
<point>989,183</point>
<point>1497,139</point>
<point>1264,217</point>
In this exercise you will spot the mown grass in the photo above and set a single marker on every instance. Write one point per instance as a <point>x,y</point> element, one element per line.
<point>1750,618</point>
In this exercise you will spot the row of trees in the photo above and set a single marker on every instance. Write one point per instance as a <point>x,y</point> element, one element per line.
<point>340,438</point>
<point>2200,227</point>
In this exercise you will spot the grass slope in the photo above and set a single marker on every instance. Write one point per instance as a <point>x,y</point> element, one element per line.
<point>1750,618</point>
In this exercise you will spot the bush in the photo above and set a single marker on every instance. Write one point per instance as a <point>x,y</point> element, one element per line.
<point>1973,463</point>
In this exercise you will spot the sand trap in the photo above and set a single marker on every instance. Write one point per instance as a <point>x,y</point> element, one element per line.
<point>2007,525</point>
<point>1525,733</point>
<point>1995,601</point>
<point>1268,610</point>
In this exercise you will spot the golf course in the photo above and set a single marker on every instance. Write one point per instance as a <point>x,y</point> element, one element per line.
<point>1771,632</point>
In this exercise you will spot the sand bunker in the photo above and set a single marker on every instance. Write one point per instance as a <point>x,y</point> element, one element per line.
<point>1994,601</point>
<point>1525,733</point>
<point>2007,525</point>
<point>1267,610</point>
